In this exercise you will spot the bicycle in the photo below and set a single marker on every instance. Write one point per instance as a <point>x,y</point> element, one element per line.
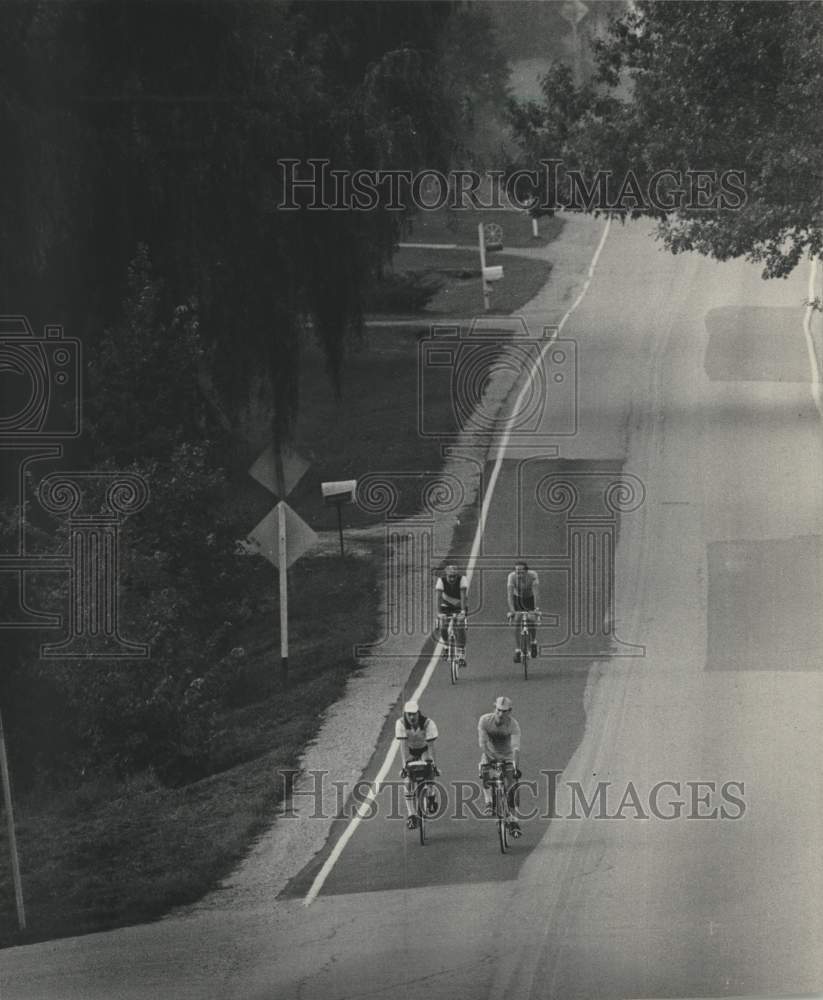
<point>422,774</point>
<point>502,804</point>
<point>451,647</point>
<point>526,619</point>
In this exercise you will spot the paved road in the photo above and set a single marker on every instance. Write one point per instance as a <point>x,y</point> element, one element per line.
<point>693,379</point>
<point>549,706</point>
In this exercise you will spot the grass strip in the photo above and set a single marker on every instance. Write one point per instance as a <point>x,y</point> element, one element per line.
<point>456,276</point>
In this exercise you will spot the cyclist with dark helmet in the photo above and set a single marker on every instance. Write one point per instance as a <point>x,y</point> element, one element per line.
<point>450,593</point>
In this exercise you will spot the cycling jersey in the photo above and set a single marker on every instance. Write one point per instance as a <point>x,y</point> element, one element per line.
<point>498,740</point>
<point>523,587</point>
<point>522,590</point>
<point>417,736</point>
<point>449,591</point>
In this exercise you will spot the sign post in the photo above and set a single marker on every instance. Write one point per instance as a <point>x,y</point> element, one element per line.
<point>487,274</point>
<point>482,243</point>
<point>284,590</point>
<point>573,12</point>
<point>283,580</point>
<point>281,537</point>
<point>339,505</point>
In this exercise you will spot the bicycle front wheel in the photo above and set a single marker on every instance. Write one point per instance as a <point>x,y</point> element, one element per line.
<point>454,667</point>
<point>524,656</point>
<point>502,819</point>
<point>421,815</point>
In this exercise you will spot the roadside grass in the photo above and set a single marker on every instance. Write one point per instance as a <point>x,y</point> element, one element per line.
<point>461,294</point>
<point>460,226</point>
<point>374,428</point>
<point>112,852</point>
<point>446,282</point>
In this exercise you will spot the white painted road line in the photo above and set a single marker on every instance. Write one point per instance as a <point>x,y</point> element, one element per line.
<point>363,808</point>
<point>807,330</point>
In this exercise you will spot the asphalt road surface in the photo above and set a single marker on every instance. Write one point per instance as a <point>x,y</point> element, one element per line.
<point>678,691</point>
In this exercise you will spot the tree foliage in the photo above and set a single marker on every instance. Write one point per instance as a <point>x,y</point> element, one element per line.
<point>138,207</point>
<point>728,86</point>
<point>182,591</point>
<point>162,124</point>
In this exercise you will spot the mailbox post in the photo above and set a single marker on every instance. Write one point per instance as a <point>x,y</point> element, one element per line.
<point>488,274</point>
<point>335,495</point>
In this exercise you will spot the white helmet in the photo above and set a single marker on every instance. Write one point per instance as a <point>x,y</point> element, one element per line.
<point>503,703</point>
<point>411,707</point>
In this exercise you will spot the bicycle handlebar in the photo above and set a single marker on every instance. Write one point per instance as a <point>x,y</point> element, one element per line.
<point>499,767</point>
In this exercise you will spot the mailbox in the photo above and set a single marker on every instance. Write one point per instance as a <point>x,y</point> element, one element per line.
<point>340,492</point>
<point>335,495</point>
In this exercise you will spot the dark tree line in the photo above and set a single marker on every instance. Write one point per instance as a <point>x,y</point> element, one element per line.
<point>160,125</point>
<point>138,194</point>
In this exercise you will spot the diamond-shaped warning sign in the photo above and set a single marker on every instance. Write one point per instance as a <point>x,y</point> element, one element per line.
<point>264,470</point>
<point>299,536</point>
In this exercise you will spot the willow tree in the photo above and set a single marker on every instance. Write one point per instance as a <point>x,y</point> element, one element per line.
<point>162,126</point>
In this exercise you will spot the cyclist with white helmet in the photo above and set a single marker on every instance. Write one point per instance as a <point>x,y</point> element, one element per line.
<point>498,734</point>
<point>417,734</point>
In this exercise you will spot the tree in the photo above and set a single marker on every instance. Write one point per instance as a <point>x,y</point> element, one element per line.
<point>734,89</point>
<point>164,124</point>
<point>137,207</point>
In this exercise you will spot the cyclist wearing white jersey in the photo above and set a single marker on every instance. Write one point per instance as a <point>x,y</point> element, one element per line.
<point>417,734</point>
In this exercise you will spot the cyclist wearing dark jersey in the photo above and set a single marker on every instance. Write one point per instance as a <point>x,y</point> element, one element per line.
<point>521,594</point>
<point>450,593</point>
